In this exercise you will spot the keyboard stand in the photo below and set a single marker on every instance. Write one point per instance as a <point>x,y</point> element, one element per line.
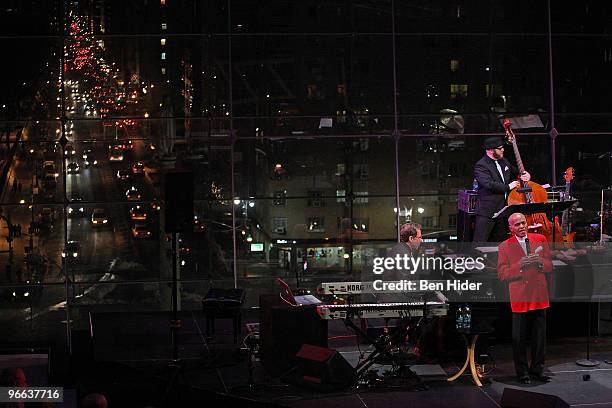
<point>382,346</point>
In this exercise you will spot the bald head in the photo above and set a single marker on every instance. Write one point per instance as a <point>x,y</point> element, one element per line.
<point>518,225</point>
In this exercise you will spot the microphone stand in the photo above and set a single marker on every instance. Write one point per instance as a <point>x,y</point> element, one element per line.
<point>587,362</point>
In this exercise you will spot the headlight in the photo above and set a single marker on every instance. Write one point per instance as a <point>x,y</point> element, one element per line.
<point>81,209</point>
<point>75,254</point>
<point>64,254</point>
<point>105,221</point>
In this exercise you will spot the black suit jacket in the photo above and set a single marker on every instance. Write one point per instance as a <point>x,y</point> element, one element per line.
<point>491,187</point>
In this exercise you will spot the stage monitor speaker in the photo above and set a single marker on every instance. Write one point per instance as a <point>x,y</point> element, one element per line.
<point>514,398</point>
<point>178,198</point>
<point>323,367</point>
<point>282,331</point>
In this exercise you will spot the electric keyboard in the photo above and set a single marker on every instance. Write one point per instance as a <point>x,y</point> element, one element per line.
<point>381,310</point>
<point>346,288</point>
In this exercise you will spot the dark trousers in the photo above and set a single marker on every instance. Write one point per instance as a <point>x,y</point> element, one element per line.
<point>489,230</point>
<point>521,325</point>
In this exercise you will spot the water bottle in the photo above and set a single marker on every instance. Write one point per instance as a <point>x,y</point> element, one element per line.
<point>459,317</point>
<point>468,317</point>
<point>475,185</point>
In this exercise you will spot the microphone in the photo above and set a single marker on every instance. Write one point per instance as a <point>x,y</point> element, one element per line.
<point>527,249</point>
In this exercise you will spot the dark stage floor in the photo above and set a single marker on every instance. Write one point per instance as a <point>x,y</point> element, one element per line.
<point>213,370</point>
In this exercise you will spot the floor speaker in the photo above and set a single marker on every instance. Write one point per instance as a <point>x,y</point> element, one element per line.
<point>515,398</point>
<point>324,367</point>
<point>178,199</point>
<point>282,331</point>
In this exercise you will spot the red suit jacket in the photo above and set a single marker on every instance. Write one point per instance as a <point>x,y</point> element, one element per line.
<point>528,289</point>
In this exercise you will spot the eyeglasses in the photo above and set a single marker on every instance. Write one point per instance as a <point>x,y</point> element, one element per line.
<point>499,148</point>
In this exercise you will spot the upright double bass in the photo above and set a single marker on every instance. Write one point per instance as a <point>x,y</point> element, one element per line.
<point>533,193</point>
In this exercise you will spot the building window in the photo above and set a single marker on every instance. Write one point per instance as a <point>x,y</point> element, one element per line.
<point>425,170</point>
<point>162,2</point>
<point>458,91</point>
<point>362,172</point>
<point>163,41</point>
<point>452,220</point>
<point>164,26</point>
<point>429,222</point>
<point>163,55</point>
<point>361,197</point>
<point>279,225</point>
<point>340,196</point>
<point>454,65</point>
<point>340,169</point>
<point>312,92</point>
<point>280,198</point>
<point>457,169</point>
<point>495,90</point>
<point>316,224</point>
<point>163,71</point>
<point>314,199</point>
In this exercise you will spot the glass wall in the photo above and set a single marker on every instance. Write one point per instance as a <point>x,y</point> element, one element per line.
<point>311,129</point>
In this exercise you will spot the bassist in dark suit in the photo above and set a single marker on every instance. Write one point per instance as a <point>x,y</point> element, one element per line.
<point>496,177</point>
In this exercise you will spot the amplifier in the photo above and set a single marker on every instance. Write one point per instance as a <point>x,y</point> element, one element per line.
<point>466,200</point>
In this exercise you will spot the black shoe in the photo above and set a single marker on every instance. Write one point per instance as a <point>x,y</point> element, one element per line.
<point>525,379</point>
<point>542,378</point>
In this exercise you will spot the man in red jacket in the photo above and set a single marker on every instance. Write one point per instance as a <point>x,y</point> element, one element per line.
<point>522,262</point>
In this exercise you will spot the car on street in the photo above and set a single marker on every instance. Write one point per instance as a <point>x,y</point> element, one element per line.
<point>99,217</point>
<point>132,194</point>
<point>72,251</point>
<point>46,216</point>
<point>123,174</point>
<point>75,208</point>
<point>70,151</point>
<point>115,154</point>
<point>138,168</point>
<point>73,168</point>
<point>138,213</point>
<point>89,158</point>
<point>141,231</point>
<point>49,168</point>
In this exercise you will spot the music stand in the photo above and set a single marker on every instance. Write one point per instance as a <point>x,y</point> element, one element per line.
<point>550,208</point>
